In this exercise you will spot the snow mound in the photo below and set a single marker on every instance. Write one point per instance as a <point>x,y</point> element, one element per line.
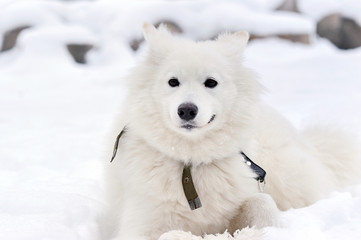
<point>322,8</point>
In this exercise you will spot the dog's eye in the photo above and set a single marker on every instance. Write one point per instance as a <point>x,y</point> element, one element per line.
<point>173,82</point>
<point>210,83</point>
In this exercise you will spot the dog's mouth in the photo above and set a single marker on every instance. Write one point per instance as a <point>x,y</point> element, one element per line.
<point>192,125</point>
<point>189,126</point>
<point>212,118</point>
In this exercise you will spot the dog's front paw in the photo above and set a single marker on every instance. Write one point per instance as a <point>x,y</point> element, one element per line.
<point>258,211</point>
<point>178,235</point>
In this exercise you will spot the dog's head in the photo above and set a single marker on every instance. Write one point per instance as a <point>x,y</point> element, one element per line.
<point>194,83</point>
<point>183,91</point>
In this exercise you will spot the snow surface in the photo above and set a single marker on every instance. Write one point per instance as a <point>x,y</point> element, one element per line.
<point>321,8</point>
<point>56,115</point>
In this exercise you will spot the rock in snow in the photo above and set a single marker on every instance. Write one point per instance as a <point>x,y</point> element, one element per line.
<point>79,51</point>
<point>344,32</point>
<point>10,37</point>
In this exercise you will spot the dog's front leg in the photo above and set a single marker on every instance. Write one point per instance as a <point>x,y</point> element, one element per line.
<point>131,237</point>
<point>246,234</point>
<point>171,235</point>
<point>179,235</point>
<point>258,211</point>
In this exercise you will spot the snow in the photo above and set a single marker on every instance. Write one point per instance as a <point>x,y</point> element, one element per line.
<point>123,20</point>
<point>337,217</point>
<point>56,115</point>
<point>29,13</point>
<point>321,8</point>
<point>316,76</point>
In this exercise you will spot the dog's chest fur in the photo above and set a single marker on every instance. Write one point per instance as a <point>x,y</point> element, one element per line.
<point>150,175</point>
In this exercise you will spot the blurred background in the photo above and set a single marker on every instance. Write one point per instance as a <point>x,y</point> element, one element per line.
<point>62,84</point>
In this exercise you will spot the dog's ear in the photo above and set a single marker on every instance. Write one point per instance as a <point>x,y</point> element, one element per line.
<point>242,36</point>
<point>235,42</point>
<point>159,40</point>
<point>149,31</point>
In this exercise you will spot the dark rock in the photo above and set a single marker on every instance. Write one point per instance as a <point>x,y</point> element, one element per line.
<point>351,33</point>
<point>300,38</point>
<point>288,5</point>
<point>10,37</point>
<point>79,51</point>
<point>330,27</point>
<point>136,43</point>
<point>343,32</point>
<point>171,26</point>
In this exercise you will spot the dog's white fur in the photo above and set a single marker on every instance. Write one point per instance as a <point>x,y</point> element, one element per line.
<point>144,188</point>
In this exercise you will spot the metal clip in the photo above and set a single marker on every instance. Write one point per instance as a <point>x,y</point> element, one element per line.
<point>262,185</point>
<point>195,203</point>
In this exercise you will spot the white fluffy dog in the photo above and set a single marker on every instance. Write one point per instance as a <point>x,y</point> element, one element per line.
<point>192,110</point>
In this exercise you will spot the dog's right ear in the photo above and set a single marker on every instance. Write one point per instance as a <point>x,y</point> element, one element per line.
<point>159,40</point>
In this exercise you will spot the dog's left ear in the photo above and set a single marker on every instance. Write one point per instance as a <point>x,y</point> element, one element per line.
<point>235,42</point>
<point>149,31</point>
<point>159,40</point>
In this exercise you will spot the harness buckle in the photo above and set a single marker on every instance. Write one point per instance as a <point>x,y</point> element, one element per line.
<point>262,185</point>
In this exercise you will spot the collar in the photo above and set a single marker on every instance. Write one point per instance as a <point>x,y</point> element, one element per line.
<point>187,180</point>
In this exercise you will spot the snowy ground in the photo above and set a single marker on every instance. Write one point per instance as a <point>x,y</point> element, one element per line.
<point>56,116</point>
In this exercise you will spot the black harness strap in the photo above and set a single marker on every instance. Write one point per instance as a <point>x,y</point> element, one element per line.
<point>116,144</point>
<point>189,189</point>
<point>261,174</point>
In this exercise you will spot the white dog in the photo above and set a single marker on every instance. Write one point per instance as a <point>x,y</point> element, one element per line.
<point>195,131</point>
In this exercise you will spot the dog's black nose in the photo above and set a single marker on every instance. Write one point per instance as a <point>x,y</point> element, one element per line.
<point>187,111</point>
